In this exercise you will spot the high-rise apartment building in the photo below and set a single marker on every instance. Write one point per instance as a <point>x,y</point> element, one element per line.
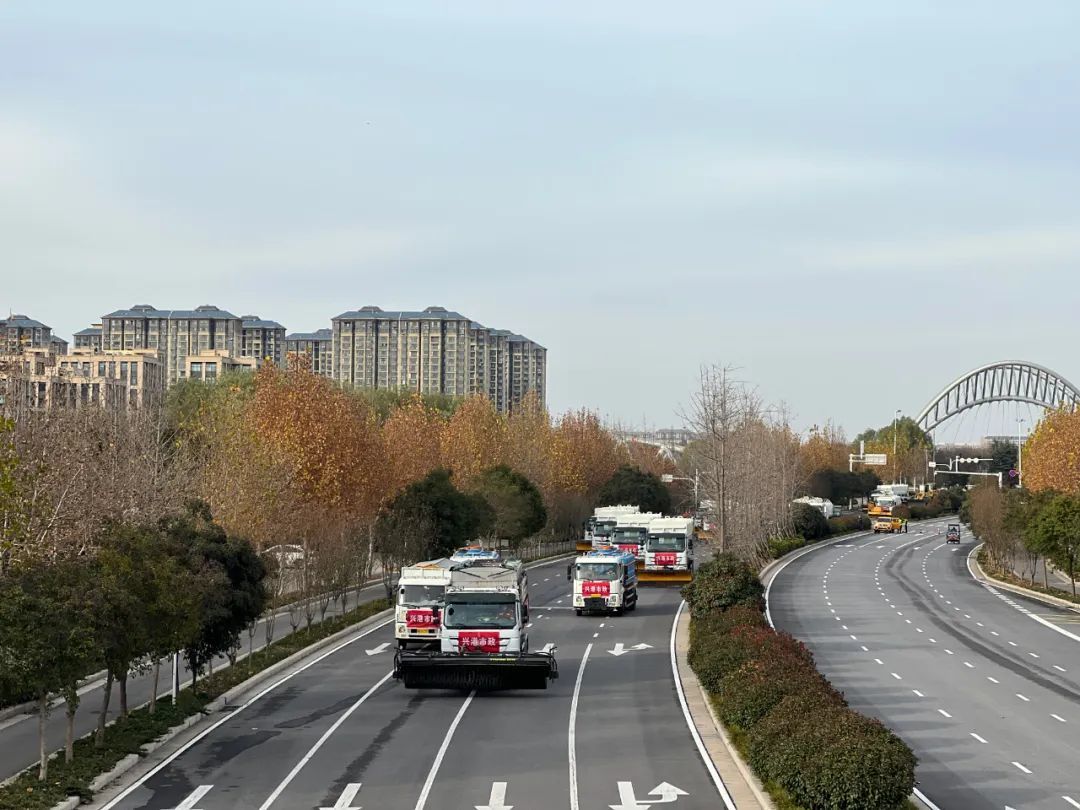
<point>436,351</point>
<point>174,334</point>
<point>315,348</point>
<point>19,332</point>
<point>89,338</point>
<point>262,340</point>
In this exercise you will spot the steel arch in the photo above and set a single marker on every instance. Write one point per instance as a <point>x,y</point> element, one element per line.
<point>1009,381</point>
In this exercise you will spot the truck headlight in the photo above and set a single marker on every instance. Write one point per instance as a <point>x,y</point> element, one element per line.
<point>579,600</point>
<point>613,599</point>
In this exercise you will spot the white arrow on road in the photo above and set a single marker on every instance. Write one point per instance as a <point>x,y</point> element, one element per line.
<point>192,800</point>
<point>665,792</point>
<point>548,647</point>
<point>621,649</point>
<point>497,801</point>
<point>348,796</point>
<point>381,648</point>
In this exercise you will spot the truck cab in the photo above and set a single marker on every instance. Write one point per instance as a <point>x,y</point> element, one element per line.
<point>669,549</point>
<point>631,532</point>
<point>418,605</point>
<point>603,523</point>
<point>487,608</point>
<point>952,533</point>
<point>604,581</point>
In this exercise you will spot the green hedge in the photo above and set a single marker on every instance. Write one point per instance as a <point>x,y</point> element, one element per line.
<point>723,582</point>
<point>848,523</point>
<point>779,546</point>
<point>795,730</point>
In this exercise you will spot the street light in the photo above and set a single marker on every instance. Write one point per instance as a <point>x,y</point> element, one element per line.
<point>667,478</point>
<point>1019,453</point>
<point>896,416</point>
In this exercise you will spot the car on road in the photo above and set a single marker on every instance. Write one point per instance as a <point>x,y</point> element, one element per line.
<point>952,533</point>
<point>889,525</point>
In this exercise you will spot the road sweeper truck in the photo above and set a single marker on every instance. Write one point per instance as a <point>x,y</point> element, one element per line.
<point>631,531</point>
<point>419,604</point>
<point>483,641</point>
<point>602,523</point>
<point>605,581</point>
<point>669,551</point>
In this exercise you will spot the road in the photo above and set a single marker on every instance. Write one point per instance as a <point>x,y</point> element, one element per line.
<point>341,733</point>
<point>983,685</point>
<point>19,734</point>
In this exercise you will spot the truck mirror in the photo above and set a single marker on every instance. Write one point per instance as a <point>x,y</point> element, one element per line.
<point>569,572</point>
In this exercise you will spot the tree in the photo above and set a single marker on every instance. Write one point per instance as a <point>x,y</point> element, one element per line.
<point>808,522</point>
<point>1056,532</point>
<point>474,440</point>
<point>1003,456</point>
<point>630,485</point>
<point>516,503</point>
<point>1052,453</point>
<point>911,444</point>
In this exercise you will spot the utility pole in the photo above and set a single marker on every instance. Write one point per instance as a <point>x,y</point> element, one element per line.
<point>1019,453</point>
<point>896,416</point>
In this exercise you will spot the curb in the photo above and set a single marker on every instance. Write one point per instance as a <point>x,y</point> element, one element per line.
<point>1038,596</point>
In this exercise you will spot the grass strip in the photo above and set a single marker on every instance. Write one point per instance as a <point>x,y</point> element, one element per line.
<point>1012,579</point>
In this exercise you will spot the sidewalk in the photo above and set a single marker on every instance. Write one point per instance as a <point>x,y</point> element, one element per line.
<point>745,789</point>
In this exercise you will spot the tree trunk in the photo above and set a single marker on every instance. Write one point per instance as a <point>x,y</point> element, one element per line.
<point>43,712</point>
<point>99,738</point>
<point>71,705</point>
<point>1046,574</point>
<point>154,691</point>
<point>123,679</point>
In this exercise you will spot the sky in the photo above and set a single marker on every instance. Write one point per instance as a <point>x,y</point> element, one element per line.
<point>853,203</point>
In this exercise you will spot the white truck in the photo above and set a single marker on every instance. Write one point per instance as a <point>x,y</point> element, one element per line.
<point>604,581</point>
<point>483,643</point>
<point>419,605</point>
<point>669,551</point>
<point>630,532</point>
<point>603,523</point>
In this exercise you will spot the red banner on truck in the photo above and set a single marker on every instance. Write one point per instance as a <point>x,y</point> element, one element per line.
<point>426,617</point>
<point>666,558</point>
<point>596,588</point>
<point>478,641</point>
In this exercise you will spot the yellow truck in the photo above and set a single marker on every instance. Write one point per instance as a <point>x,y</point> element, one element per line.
<point>889,525</point>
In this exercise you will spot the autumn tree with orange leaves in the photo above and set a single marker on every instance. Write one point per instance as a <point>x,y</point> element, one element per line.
<point>1051,455</point>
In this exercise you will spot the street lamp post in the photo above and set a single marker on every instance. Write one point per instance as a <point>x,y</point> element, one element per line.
<point>1019,453</point>
<point>896,416</point>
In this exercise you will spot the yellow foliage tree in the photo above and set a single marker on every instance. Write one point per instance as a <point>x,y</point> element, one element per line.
<point>412,435</point>
<point>1051,455</point>
<point>474,440</point>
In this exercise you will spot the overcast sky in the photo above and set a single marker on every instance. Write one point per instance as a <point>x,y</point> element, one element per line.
<point>854,202</point>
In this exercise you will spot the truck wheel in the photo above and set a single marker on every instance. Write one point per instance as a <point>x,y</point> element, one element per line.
<point>577,611</point>
<point>618,611</point>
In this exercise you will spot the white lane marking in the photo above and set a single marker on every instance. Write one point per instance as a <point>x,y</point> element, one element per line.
<point>1058,717</point>
<point>378,649</point>
<point>1060,669</point>
<point>992,680</point>
<point>950,652</point>
<point>548,647</point>
<point>977,737</point>
<point>918,693</point>
<point>925,799</point>
<point>878,660</point>
<point>1073,802</point>
<point>572,734</point>
<point>864,648</point>
<point>496,799</point>
<point>1021,767</point>
<point>1013,644</point>
<point>203,734</point>
<point>705,756</point>
<point>995,633</point>
<point>933,641</point>
<point>896,676</point>
<point>1025,699</point>
<point>192,800</point>
<point>1033,655</point>
<point>321,742</point>
<point>348,796</point>
<point>853,638</point>
<point>944,713</point>
<point>602,624</point>
<point>969,665</point>
<point>843,627</point>
<point>422,800</point>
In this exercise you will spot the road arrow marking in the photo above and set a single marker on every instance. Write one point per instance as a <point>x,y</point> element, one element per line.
<point>498,798</point>
<point>667,793</point>
<point>621,649</point>
<point>348,796</point>
<point>192,800</point>
<point>627,799</point>
<point>381,648</point>
<point>547,648</point>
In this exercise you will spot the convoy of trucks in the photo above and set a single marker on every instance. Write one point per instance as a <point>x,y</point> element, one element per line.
<point>469,613</point>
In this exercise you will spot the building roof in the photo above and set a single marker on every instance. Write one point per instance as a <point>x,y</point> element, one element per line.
<point>148,311</point>
<point>372,313</point>
<point>22,322</point>
<point>321,334</point>
<point>89,331</point>
<point>255,322</point>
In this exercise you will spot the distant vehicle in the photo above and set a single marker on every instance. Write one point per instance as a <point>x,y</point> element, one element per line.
<point>952,533</point>
<point>605,581</point>
<point>286,555</point>
<point>630,532</point>
<point>602,523</point>
<point>889,525</point>
<point>420,599</point>
<point>669,551</point>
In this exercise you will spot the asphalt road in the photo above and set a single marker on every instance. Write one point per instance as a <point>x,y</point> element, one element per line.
<point>983,685</point>
<point>342,722</point>
<point>19,734</point>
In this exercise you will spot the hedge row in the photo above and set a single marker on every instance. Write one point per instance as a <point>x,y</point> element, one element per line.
<point>808,531</point>
<point>796,730</point>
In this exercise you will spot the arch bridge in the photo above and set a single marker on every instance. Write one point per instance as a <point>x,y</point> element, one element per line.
<point>1009,381</point>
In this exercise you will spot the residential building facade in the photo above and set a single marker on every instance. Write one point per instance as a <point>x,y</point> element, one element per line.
<point>173,334</point>
<point>89,338</point>
<point>315,348</point>
<point>40,378</point>
<point>263,341</point>
<point>18,332</point>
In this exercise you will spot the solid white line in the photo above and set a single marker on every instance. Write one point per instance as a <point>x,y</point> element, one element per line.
<point>1021,767</point>
<point>925,799</point>
<point>709,766</point>
<point>1073,802</point>
<point>977,737</point>
<point>1060,669</point>
<point>918,693</point>
<point>195,797</point>
<point>201,735</point>
<point>1059,718</point>
<point>321,742</point>
<point>572,734</point>
<point>944,713</point>
<point>442,753</point>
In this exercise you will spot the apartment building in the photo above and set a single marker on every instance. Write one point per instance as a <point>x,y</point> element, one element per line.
<point>18,332</point>
<point>435,351</point>
<point>89,339</point>
<point>263,341</point>
<point>41,378</point>
<point>210,364</point>
<point>315,348</point>
<point>173,334</point>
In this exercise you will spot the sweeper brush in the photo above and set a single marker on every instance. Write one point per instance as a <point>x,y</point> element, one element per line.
<point>481,671</point>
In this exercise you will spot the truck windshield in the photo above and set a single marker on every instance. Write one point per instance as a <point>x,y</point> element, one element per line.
<point>483,614</point>
<point>598,571</point>
<point>603,528</point>
<point>666,542</point>
<point>421,595</point>
<point>629,534</point>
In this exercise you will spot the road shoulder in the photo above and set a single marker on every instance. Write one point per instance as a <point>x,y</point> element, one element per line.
<point>745,789</point>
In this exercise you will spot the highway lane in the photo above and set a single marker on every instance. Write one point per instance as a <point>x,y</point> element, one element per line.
<point>337,724</point>
<point>986,694</point>
<point>19,734</point>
